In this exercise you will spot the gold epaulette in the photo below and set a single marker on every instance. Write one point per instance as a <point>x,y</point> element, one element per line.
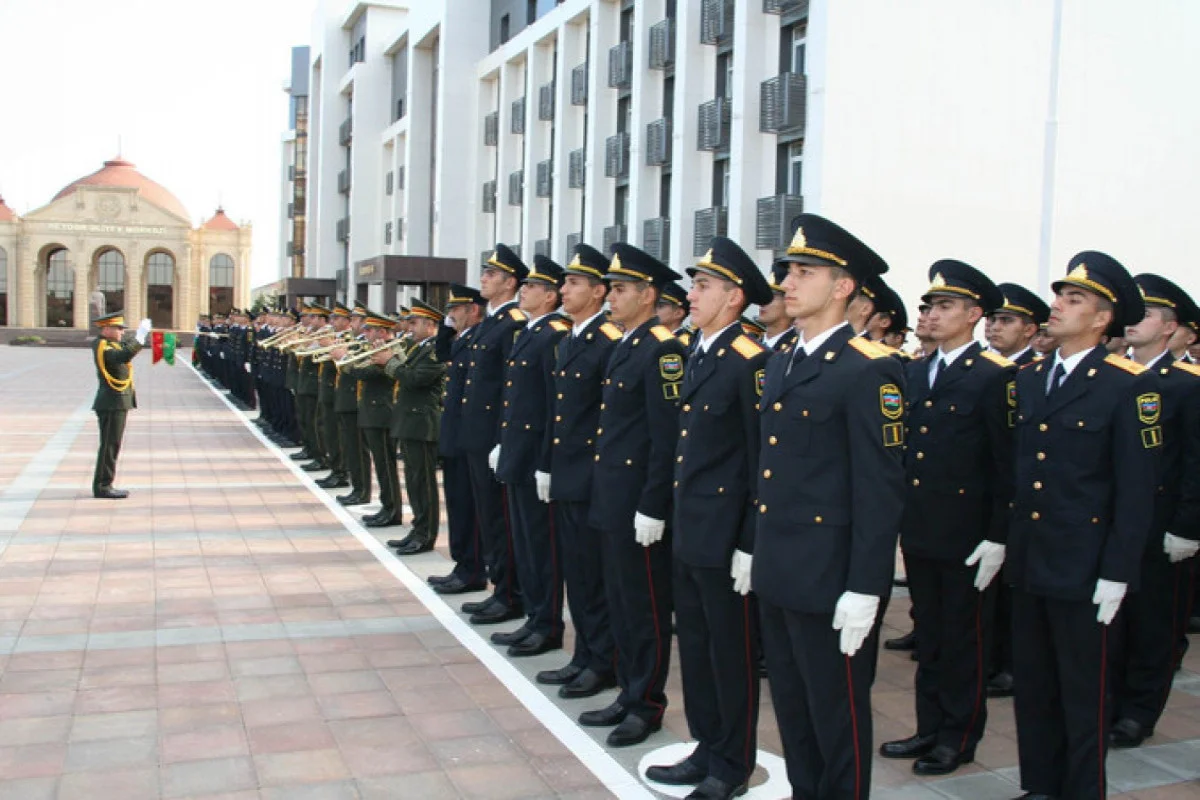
<point>868,348</point>
<point>685,338</point>
<point>559,325</point>
<point>996,358</point>
<point>1132,367</point>
<point>1191,369</point>
<point>517,315</point>
<point>746,347</point>
<point>611,331</point>
<point>661,333</point>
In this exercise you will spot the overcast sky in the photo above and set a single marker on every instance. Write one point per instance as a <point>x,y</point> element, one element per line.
<point>193,90</point>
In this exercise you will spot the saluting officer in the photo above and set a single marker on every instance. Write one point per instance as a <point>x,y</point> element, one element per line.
<point>781,332</point>
<point>830,493</point>
<point>565,472</point>
<point>525,420</point>
<point>1152,621</point>
<point>631,493</point>
<point>480,431</point>
<point>452,347</point>
<point>1089,432</point>
<point>716,511</point>
<point>959,461</point>
<point>114,396</point>
<point>672,310</point>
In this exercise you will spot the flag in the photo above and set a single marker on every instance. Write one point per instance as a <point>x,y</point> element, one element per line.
<point>156,345</point>
<point>168,347</point>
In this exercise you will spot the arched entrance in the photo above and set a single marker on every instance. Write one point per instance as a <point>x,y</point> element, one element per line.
<point>110,278</point>
<point>220,284</point>
<point>60,290</point>
<point>3,286</point>
<point>160,289</point>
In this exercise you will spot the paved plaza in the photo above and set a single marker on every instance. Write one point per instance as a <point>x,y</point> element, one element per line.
<point>230,631</point>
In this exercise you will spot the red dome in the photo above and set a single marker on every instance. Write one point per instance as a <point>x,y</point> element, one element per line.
<point>6,213</point>
<point>120,173</point>
<point>220,222</point>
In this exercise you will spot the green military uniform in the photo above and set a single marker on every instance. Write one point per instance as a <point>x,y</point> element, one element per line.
<point>356,461</point>
<point>114,397</point>
<point>375,420</point>
<point>327,421</point>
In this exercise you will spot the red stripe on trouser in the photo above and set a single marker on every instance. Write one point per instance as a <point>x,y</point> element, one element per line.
<point>978,672</point>
<point>854,731</point>
<point>751,669</point>
<point>1100,735</point>
<point>657,631</point>
<point>1174,634</point>
<point>556,623</point>
<point>508,573</point>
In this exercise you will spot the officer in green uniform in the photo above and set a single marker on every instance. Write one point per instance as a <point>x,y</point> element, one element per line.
<point>114,396</point>
<point>375,419</point>
<point>416,417</point>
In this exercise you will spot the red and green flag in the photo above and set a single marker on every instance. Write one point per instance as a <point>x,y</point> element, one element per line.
<point>163,346</point>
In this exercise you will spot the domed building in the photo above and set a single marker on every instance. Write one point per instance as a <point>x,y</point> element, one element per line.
<point>115,239</point>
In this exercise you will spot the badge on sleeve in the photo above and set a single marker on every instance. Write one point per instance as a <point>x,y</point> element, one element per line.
<point>1149,408</point>
<point>670,367</point>
<point>891,401</point>
<point>760,380</point>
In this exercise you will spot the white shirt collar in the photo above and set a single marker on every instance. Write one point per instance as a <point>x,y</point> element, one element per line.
<point>579,327</point>
<point>953,355</point>
<point>704,343</point>
<point>817,340</point>
<point>1070,363</point>
<point>533,321</point>
<point>1019,353</point>
<point>769,342</point>
<point>493,311</point>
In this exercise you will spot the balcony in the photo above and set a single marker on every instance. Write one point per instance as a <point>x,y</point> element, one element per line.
<point>343,229</point>
<point>576,169</point>
<point>710,222</point>
<point>400,177</point>
<point>620,65</point>
<point>516,187</point>
<point>783,103</point>
<point>491,129</point>
<point>343,182</point>
<point>579,85</point>
<point>656,237</point>
<point>346,132</point>
<point>713,133</point>
<point>387,233</point>
<point>389,184</point>
<point>773,220</point>
<point>612,235</point>
<point>658,142</point>
<point>546,102</point>
<point>545,177</point>
<point>662,44</point>
<point>573,241</point>
<point>542,248</point>
<point>799,7</point>
<point>517,123</point>
<point>400,229</point>
<point>489,198</point>
<point>616,156</point>
<point>716,22</point>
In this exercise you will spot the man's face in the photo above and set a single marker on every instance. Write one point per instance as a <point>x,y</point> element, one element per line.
<point>111,332</point>
<point>860,310</point>
<point>922,329</point>
<point>356,324</point>
<point>579,294</point>
<point>669,315</point>
<point>494,283</point>
<point>1157,325</point>
<point>711,298</point>
<point>625,300</point>
<point>340,324</point>
<point>894,339</point>
<point>810,289</point>
<point>1184,338</point>
<point>423,328</point>
<point>536,298</point>
<point>878,325</point>
<point>774,312</point>
<point>1194,350</point>
<point>1076,312</point>
<point>952,317</point>
<point>1043,342</point>
<point>1009,333</point>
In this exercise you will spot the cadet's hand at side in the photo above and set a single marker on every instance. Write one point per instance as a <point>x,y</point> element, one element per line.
<point>853,616</point>
<point>739,570</point>
<point>647,531</point>
<point>542,479</point>
<point>494,458</point>
<point>1179,549</point>
<point>990,558</point>
<point>1108,597</point>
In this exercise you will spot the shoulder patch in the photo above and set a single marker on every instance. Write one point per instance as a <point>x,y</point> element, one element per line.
<point>517,315</point>
<point>1191,369</point>
<point>559,325</point>
<point>746,347</point>
<point>661,333</point>
<point>996,359</point>
<point>611,331</point>
<point>685,338</point>
<point>1132,367</point>
<point>867,347</point>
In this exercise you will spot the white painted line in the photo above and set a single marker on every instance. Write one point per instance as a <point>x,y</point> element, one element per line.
<point>23,492</point>
<point>607,769</point>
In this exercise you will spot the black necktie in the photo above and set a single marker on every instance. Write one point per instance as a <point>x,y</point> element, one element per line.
<point>1056,380</point>
<point>938,368</point>
<point>798,355</point>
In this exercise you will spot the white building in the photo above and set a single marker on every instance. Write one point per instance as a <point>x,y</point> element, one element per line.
<point>1009,135</point>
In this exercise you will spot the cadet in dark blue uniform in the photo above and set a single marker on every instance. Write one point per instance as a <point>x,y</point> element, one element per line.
<point>631,493</point>
<point>1151,618</point>
<point>463,312</point>
<point>672,310</point>
<point>830,493</point>
<point>523,429</point>
<point>480,429</point>
<point>565,475</point>
<point>716,511</point>
<point>889,325</point>
<point>959,462</point>
<point>1089,432</point>
<point>781,332</point>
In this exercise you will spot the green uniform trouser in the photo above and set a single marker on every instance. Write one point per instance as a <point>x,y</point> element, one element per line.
<point>330,438</point>
<point>356,460</point>
<point>420,477</point>
<point>112,429</point>
<point>383,453</point>
<point>306,418</point>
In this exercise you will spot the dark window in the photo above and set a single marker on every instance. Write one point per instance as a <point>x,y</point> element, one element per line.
<point>626,24</point>
<point>110,279</point>
<point>220,284</point>
<point>160,289</point>
<point>624,110</point>
<point>622,202</point>
<point>504,29</point>
<point>669,97</point>
<point>725,75</point>
<point>530,11</point>
<point>60,291</point>
<point>3,286</point>
<point>664,196</point>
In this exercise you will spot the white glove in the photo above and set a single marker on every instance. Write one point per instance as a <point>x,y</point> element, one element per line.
<point>143,330</point>
<point>647,531</point>
<point>1108,597</point>
<point>1178,549</point>
<point>854,616</point>
<point>990,558</point>
<point>222,354</point>
<point>739,570</point>
<point>494,458</point>
<point>247,366</point>
<point>542,479</point>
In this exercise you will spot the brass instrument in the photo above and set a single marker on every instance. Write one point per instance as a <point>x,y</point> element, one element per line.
<point>395,344</point>
<point>341,341</point>
<point>322,355</point>
<point>313,337</point>
<point>270,340</point>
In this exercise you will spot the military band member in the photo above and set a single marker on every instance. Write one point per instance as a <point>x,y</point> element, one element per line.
<point>781,332</point>
<point>327,377</point>
<point>672,310</point>
<point>375,422</point>
<point>830,493</point>
<point>479,434</point>
<point>1153,619</point>
<point>114,396</point>
<point>308,389</point>
<point>959,462</point>
<point>356,459</point>
<point>565,473</point>
<point>716,511</point>
<point>1089,433</point>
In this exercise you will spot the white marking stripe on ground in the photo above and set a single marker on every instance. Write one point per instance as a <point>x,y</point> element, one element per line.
<point>20,496</point>
<point>607,769</point>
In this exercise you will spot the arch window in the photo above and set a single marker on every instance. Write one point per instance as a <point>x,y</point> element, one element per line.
<point>110,279</point>
<point>3,286</point>
<point>220,284</point>
<point>160,289</point>
<point>60,290</point>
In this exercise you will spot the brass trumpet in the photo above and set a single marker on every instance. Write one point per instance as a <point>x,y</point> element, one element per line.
<point>321,355</point>
<point>395,344</point>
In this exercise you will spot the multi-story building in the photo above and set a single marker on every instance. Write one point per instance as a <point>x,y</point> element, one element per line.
<point>294,172</point>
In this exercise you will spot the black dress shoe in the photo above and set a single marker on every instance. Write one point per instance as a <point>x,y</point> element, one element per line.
<point>435,580</point>
<point>303,455</point>
<point>559,677</point>
<point>906,642</point>
<point>683,773</point>
<point>383,513</point>
<point>1036,796</point>
<point>534,645</point>
<point>587,683</point>
<point>456,585</point>
<point>900,582</point>
<point>1193,625</point>
<point>110,494</point>
<point>716,789</point>
<point>475,606</point>
<point>352,499</point>
<point>634,730</point>
<point>912,747</point>
<point>315,466</point>
<point>507,638</point>
<point>496,614</point>
<point>942,760</point>
<point>414,547</point>
<point>1001,685</point>
<point>333,481</point>
<point>606,717</point>
<point>1127,733</point>
<point>383,522</point>
<point>400,542</point>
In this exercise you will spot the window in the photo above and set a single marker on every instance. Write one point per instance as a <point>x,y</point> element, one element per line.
<point>664,196</point>
<point>530,11</point>
<point>110,279</point>
<point>795,168</point>
<point>504,29</point>
<point>220,284</point>
<point>720,190</point>
<point>621,203</point>
<point>60,291</point>
<point>626,24</point>
<point>3,286</point>
<point>799,40</point>
<point>669,97</point>
<point>160,269</point>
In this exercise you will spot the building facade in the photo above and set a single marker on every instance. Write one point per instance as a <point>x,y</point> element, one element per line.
<point>294,170</point>
<point>117,240</point>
